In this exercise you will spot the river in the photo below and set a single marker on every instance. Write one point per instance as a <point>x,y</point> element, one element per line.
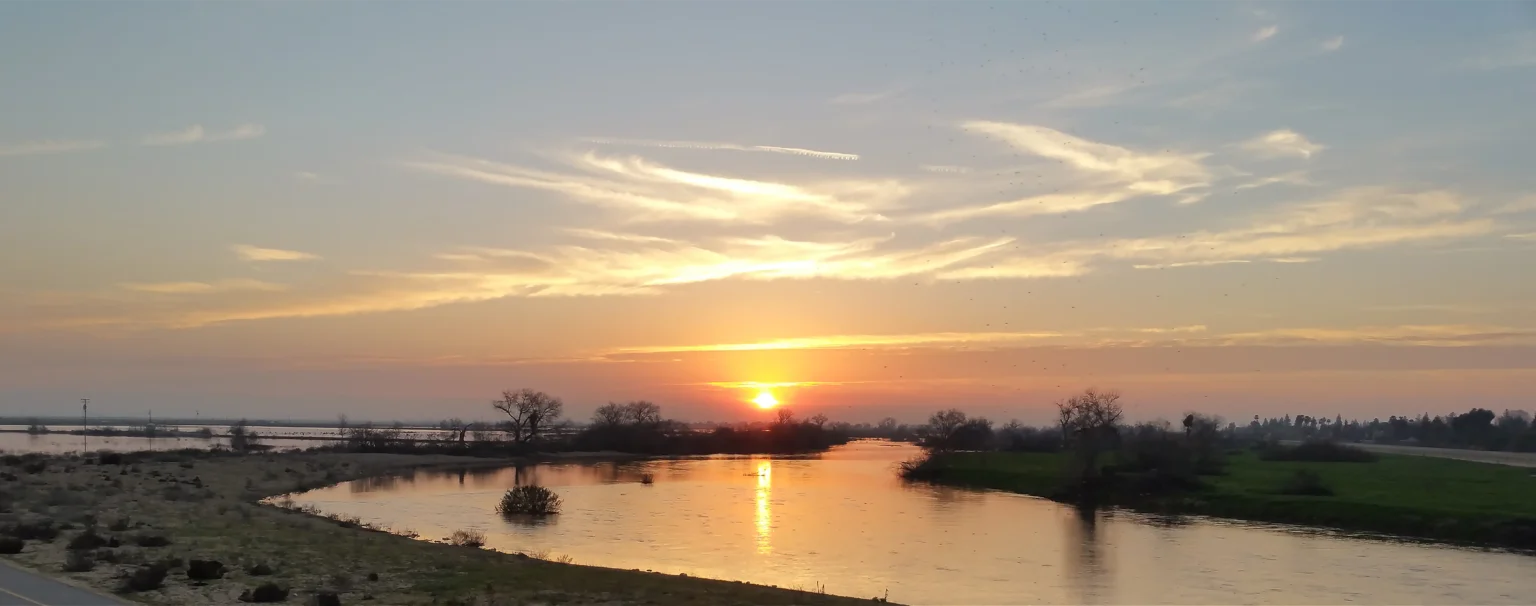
<point>843,523</point>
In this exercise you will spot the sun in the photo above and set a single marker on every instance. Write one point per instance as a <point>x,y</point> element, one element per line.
<point>765,400</point>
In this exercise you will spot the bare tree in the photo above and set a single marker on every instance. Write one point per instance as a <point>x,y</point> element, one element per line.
<point>609,415</point>
<point>785,416</point>
<point>528,412</point>
<point>641,412</point>
<point>1089,423</point>
<point>819,420</point>
<point>943,424</point>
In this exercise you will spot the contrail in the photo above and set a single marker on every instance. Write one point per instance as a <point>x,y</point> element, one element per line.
<point>826,155</point>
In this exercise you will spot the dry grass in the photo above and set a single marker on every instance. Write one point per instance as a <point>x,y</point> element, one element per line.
<point>208,508</point>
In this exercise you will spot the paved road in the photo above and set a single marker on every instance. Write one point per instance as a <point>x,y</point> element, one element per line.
<point>1516,459</point>
<point>21,588</point>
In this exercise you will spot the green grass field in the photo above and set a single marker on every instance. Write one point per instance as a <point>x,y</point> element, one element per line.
<point>1442,499</point>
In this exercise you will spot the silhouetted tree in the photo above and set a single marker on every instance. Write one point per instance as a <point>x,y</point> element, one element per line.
<point>528,412</point>
<point>1089,424</point>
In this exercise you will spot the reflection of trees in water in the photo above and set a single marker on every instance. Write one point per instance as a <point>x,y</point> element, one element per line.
<point>944,498</point>
<point>378,483</point>
<point>1085,564</point>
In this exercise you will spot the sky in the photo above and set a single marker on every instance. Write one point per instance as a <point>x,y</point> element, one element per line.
<point>397,210</point>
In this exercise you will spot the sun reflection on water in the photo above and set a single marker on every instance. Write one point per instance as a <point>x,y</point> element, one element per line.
<point>763,518</point>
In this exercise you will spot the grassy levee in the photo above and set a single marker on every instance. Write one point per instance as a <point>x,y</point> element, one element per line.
<point>206,507</point>
<point>1439,499</point>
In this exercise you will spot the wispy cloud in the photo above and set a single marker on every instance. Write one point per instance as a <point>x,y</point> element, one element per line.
<point>1283,142</point>
<point>202,288</point>
<point>649,191</point>
<point>1524,236</point>
<point>1290,178</point>
<point>197,134</point>
<point>1438,335</point>
<point>1181,336</point>
<point>49,146</point>
<point>253,253</point>
<point>935,339</point>
<point>945,168</point>
<point>1332,44</point>
<point>1265,33</point>
<point>1359,218</point>
<point>1096,96</point>
<point>1103,174</point>
<point>1508,52</point>
<point>1143,172</point>
<point>704,145</point>
<point>1524,204</point>
<point>1191,264</point>
<point>864,98</point>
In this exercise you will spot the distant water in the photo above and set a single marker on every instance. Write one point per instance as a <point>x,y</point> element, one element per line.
<point>844,523</point>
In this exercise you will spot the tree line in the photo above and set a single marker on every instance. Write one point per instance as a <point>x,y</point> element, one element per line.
<point>535,422</point>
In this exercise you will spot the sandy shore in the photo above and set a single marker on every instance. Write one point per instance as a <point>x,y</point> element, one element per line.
<point>208,507</point>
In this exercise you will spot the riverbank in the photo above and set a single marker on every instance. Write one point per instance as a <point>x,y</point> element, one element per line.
<point>205,506</point>
<point>1413,496</point>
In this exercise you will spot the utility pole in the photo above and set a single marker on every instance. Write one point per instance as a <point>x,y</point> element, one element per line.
<point>85,424</point>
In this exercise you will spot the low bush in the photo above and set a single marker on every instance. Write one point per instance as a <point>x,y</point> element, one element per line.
<point>258,570</point>
<point>11,545</point>
<point>36,530</point>
<point>467,538</point>
<point>529,500</point>
<point>120,524</point>
<point>1306,482</point>
<point>264,593</point>
<point>34,467</point>
<point>1317,451</point>
<point>87,540</point>
<point>79,561</point>
<point>151,540</point>
<point>205,570</point>
<point>145,578</point>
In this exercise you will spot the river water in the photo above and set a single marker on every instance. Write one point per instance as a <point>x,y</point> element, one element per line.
<point>844,523</point>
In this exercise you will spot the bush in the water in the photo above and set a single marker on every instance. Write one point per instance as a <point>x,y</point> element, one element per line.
<point>529,500</point>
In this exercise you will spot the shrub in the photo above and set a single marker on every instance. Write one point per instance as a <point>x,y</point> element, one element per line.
<point>265,592</point>
<point>1318,451</point>
<point>11,545</point>
<point>145,578</point>
<point>34,467</point>
<point>1307,483</point>
<point>151,540</point>
<point>120,524</point>
<point>922,467</point>
<point>205,570</point>
<point>110,458</point>
<point>107,555</point>
<point>259,570</point>
<point>646,478</point>
<point>327,598</point>
<point>87,540</point>
<point>467,538</point>
<point>529,500</point>
<point>38,530</point>
<point>79,561</point>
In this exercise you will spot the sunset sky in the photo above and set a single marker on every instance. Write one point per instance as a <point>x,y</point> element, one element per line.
<point>396,210</point>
